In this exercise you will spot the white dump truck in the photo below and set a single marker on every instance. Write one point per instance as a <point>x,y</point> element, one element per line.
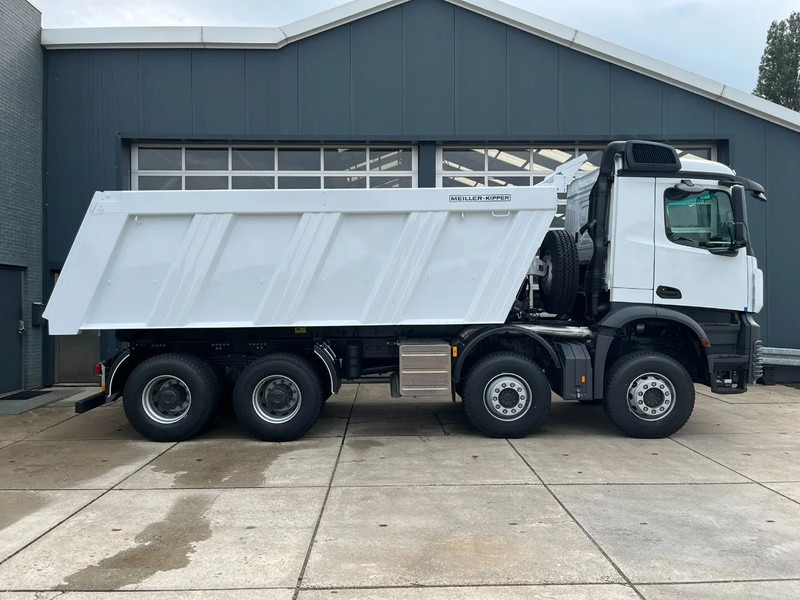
<point>277,297</point>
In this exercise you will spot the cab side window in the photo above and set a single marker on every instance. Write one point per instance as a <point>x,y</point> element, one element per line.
<point>700,220</point>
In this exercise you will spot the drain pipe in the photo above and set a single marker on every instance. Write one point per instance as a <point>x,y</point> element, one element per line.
<point>598,228</point>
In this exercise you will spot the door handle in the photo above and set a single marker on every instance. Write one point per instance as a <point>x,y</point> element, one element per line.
<point>21,327</point>
<point>671,293</point>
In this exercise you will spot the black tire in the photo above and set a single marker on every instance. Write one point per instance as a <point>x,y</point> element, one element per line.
<point>284,408</point>
<point>171,397</point>
<point>655,382</point>
<point>512,367</point>
<point>559,287</point>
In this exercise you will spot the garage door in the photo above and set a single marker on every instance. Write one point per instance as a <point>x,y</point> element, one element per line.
<point>213,167</point>
<point>10,334</point>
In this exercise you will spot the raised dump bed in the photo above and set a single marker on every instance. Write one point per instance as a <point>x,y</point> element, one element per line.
<point>297,258</point>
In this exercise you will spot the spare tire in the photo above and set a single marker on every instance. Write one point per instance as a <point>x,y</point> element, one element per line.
<point>560,286</point>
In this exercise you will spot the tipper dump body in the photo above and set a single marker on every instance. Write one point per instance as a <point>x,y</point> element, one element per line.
<point>299,258</point>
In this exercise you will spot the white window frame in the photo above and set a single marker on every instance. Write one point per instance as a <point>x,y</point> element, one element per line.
<point>366,173</point>
<point>574,149</point>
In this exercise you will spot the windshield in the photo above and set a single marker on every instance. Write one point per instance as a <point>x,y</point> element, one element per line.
<point>701,220</point>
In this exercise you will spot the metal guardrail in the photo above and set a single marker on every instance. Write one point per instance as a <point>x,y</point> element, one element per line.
<point>784,357</point>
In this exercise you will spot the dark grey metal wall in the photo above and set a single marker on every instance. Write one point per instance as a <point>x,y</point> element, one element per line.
<point>425,71</point>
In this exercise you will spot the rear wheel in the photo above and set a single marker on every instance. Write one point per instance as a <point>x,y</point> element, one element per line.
<point>171,397</point>
<point>506,395</point>
<point>278,398</point>
<point>648,395</point>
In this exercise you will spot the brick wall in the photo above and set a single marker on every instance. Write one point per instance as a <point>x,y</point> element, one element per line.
<point>21,81</point>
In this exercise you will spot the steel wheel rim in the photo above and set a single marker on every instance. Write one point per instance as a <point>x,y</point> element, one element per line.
<point>651,397</point>
<point>166,399</point>
<point>507,397</point>
<point>277,399</point>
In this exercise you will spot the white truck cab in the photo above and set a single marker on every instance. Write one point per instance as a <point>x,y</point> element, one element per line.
<point>671,238</point>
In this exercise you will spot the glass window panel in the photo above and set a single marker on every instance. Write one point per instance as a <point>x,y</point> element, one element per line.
<point>345,182</point>
<point>696,153</point>
<point>206,159</point>
<point>547,159</point>
<point>462,182</point>
<point>246,159</point>
<point>594,157</point>
<point>501,181</point>
<point>253,182</point>
<point>506,159</point>
<point>460,159</point>
<point>390,182</point>
<point>299,183</point>
<point>703,220</point>
<point>298,159</point>
<point>390,159</point>
<point>159,182</point>
<point>160,159</point>
<point>345,159</point>
<point>207,182</point>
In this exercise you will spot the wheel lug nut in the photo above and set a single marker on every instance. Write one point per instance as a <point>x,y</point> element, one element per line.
<point>503,385</point>
<point>522,397</point>
<point>640,402</point>
<point>496,390</point>
<point>494,397</point>
<point>519,406</point>
<point>505,412</point>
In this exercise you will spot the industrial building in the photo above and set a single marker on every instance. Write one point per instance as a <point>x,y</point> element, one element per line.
<point>369,94</point>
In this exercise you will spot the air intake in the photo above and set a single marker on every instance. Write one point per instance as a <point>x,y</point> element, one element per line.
<point>651,156</point>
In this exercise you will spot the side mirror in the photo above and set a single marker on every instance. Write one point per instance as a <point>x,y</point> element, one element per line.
<point>739,235</point>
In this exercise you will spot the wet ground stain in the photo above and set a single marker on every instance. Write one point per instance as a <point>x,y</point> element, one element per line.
<point>363,444</point>
<point>240,466</point>
<point>18,505</point>
<point>162,546</point>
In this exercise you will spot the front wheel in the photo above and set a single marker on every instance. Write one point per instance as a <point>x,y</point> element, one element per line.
<point>506,395</point>
<point>278,398</point>
<point>648,395</point>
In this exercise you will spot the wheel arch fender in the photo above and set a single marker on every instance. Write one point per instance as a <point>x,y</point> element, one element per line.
<point>617,319</point>
<point>326,356</point>
<point>488,332</point>
<point>121,367</point>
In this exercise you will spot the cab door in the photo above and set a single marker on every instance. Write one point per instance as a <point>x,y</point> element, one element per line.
<point>695,262</point>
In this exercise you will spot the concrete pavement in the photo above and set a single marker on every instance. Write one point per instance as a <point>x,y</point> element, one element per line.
<point>391,499</point>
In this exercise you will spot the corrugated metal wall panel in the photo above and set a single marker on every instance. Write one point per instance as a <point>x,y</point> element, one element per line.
<point>165,92</point>
<point>686,114</point>
<point>636,105</point>
<point>324,83</point>
<point>584,95</point>
<point>218,92</point>
<point>783,215</point>
<point>65,165</point>
<point>376,55</point>
<point>428,70</point>
<point>533,99</point>
<point>481,95</point>
<point>271,92</point>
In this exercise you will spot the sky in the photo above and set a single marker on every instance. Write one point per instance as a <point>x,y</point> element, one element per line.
<point>720,39</point>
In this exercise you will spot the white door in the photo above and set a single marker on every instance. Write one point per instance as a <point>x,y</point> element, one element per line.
<point>693,233</point>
